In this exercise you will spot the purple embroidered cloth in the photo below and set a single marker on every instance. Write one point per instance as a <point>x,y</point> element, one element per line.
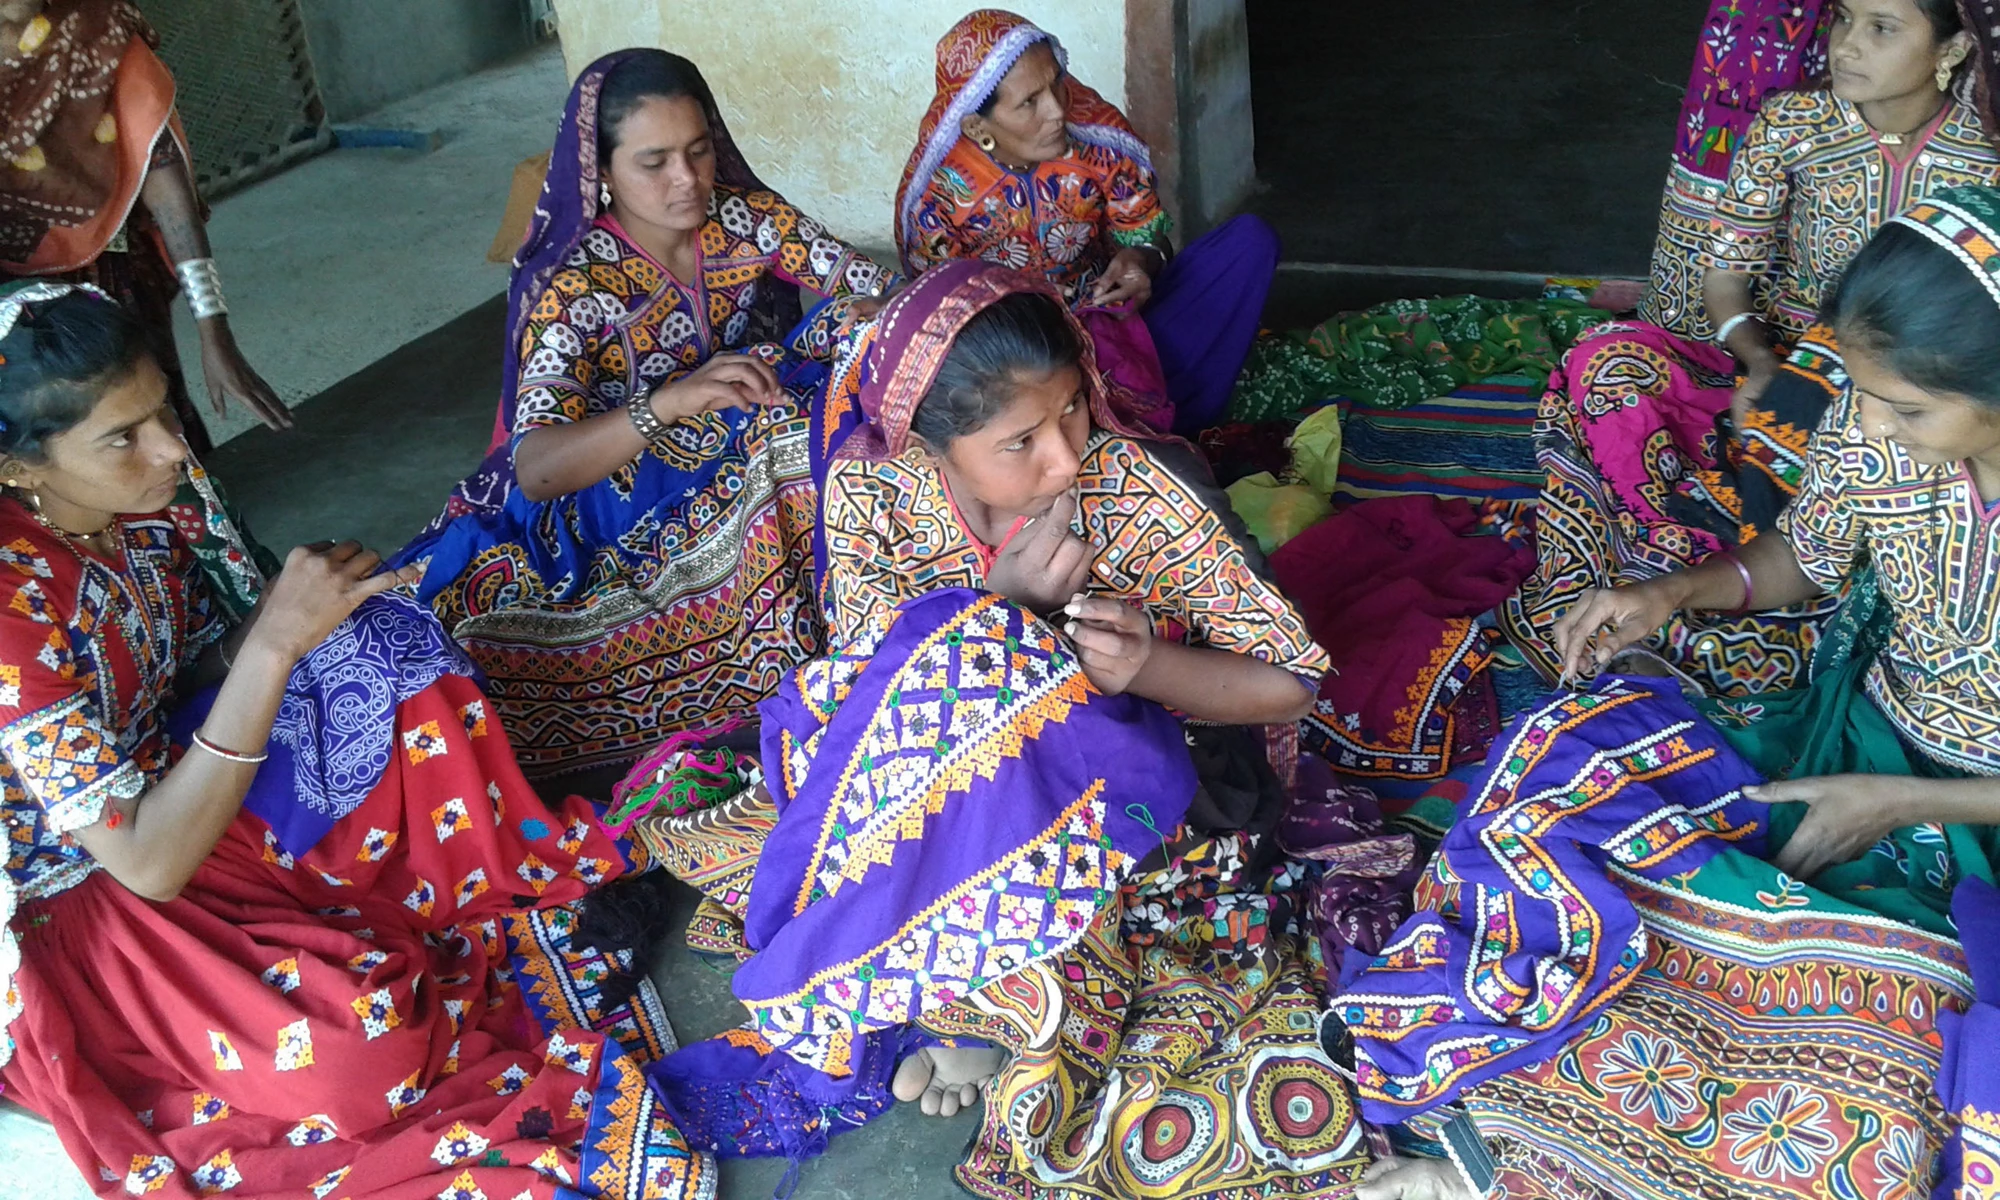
<point>955,801</point>
<point>1529,934</point>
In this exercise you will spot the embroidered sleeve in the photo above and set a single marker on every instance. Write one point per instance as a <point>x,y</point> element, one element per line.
<point>1749,215</point>
<point>804,253</point>
<point>931,236</point>
<point>1821,524</point>
<point>863,583</point>
<point>559,350</point>
<point>62,750</point>
<point>1169,547</point>
<point>1133,196</point>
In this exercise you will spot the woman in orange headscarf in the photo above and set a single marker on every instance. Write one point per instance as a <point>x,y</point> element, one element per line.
<point>95,186</point>
<point>1022,165</point>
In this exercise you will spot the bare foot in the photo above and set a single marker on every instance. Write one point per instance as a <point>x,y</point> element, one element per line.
<point>1413,1179</point>
<point>944,1081</point>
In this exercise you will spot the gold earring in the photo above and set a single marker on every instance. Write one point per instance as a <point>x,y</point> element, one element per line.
<point>1944,71</point>
<point>985,142</point>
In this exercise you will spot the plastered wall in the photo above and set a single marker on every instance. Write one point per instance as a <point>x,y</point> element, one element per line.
<point>824,98</point>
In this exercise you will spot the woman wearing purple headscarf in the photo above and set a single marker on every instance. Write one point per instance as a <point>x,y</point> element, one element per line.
<point>631,557</point>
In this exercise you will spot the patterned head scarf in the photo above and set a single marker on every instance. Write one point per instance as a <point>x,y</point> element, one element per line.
<point>1966,222</point>
<point>569,204</point>
<point>972,59</point>
<point>56,82</point>
<point>900,353</point>
<point>1982,23</point>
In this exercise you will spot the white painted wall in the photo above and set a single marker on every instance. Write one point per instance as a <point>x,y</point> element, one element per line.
<point>824,98</point>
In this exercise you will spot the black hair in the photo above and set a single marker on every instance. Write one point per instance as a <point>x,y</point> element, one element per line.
<point>56,364</point>
<point>647,75</point>
<point>1912,304</point>
<point>1943,17</point>
<point>1024,333</point>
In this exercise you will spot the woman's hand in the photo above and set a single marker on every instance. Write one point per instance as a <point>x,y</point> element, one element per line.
<point>724,381</point>
<point>1845,816</point>
<point>1606,620</point>
<point>319,587</point>
<point>1760,370</point>
<point>866,308</point>
<point>229,377</point>
<point>1127,280</point>
<point>1112,640</point>
<point>1045,563</point>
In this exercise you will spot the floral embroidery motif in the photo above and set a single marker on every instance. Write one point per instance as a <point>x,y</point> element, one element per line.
<point>376,845</point>
<point>295,1046</point>
<point>406,1095</point>
<point>149,1173</point>
<point>208,1108</point>
<point>474,716</point>
<point>217,1175</point>
<point>328,1182</point>
<point>312,1131</point>
<point>457,1145</point>
<point>377,1011</point>
<point>1651,1074</point>
<point>450,818</point>
<point>472,886</point>
<point>283,974</point>
<point>571,1056</point>
<point>225,1054</point>
<point>1781,1134</point>
<point>424,743</point>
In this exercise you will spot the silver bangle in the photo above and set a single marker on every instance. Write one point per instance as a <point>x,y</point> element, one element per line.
<point>203,285</point>
<point>1730,326</point>
<point>645,420</point>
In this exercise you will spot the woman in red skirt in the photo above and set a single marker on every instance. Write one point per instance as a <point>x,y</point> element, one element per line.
<point>266,851</point>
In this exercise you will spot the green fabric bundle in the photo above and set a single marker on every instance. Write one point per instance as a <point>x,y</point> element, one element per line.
<point>1408,351</point>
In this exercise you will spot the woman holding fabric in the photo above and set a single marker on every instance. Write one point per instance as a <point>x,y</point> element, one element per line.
<point>632,557</point>
<point>1774,872</point>
<point>1020,164</point>
<point>266,843</point>
<point>97,187</point>
<point>1640,480</point>
<point>989,824</point>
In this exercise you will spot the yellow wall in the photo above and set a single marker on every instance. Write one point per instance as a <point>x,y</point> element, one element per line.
<point>824,97</point>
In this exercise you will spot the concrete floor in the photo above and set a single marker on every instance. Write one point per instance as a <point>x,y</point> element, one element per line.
<point>349,255</point>
<point>1531,135</point>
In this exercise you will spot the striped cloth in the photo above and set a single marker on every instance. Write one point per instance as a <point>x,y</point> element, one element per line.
<point>1477,444</point>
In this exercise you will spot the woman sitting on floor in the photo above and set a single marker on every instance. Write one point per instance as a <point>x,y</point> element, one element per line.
<point>1749,994</point>
<point>1641,479</point>
<point>1020,164</point>
<point>1025,799</point>
<point>631,558</point>
<point>286,977</point>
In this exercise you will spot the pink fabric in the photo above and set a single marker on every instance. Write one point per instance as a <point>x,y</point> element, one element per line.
<point>1127,359</point>
<point>1646,410</point>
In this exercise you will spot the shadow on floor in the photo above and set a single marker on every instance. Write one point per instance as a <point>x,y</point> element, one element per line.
<point>1532,135</point>
<point>373,456</point>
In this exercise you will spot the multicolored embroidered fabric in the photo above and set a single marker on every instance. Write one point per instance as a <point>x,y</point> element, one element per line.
<point>1064,217</point>
<point>1748,49</point>
<point>894,533</point>
<point>1627,435</point>
<point>1527,938</point>
<point>1811,184</point>
<point>1775,1049</point>
<point>897,880</point>
<point>614,324</point>
<point>1936,558</point>
<point>676,592</point>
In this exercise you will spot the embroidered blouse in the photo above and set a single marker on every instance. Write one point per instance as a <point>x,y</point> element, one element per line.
<point>1065,218</point>
<point>614,323</point>
<point>89,650</point>
<point>893,533</point>
<point>1810,184</point>
<point>1935,547</point>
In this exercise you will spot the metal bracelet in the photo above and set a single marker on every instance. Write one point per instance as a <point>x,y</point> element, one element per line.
<point>203,285</point>
<point>645,420</point>
<point>1729,327</point>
